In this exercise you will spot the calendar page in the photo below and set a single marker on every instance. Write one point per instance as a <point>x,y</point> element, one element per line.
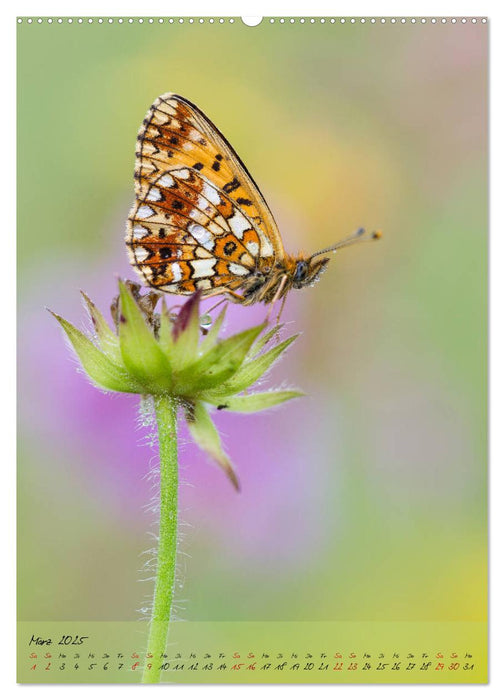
<point>252,266</point>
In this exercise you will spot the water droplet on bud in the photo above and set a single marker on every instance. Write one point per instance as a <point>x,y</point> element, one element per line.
<point>206,322</point>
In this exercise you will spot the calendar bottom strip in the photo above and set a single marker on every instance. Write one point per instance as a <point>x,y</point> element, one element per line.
<point>256,652</point>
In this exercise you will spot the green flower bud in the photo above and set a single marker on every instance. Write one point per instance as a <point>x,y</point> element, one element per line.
<point>170,356</point>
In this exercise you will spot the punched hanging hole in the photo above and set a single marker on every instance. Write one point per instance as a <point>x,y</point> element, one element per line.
<point>251,21</point>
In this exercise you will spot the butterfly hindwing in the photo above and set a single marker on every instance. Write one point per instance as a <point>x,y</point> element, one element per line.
<point>193,189</point>
<point>187,234</point>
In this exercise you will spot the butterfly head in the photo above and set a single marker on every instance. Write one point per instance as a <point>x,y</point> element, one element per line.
<point>307,271</point>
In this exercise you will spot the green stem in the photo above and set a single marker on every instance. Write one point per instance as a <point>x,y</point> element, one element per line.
<point>166,416</point>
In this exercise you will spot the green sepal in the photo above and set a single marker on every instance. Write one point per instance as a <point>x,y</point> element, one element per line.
<point>264,339</point>
<point>142,356</point>
<point>107,339</point>
<point>96,364</point>
<point>186,332</point>
<point>250,403</point>
<point>253,370</point>
<point>217,365</point>
<point>205,435</point>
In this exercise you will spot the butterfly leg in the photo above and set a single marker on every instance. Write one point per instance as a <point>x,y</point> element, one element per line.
<point>234,296</point>
<point>238,299</point>
<point>281,309</point>
<point>221,301</point>
<point>277,296</point>
<point>228,294</point>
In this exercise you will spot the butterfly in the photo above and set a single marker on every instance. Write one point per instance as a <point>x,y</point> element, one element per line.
<point>200,222</point>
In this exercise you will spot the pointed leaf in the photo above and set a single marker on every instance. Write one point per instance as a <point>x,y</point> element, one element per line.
<point>221,362</point>
<point>141,354</point>
<point>251,403</point>
<point>97,365</point>
<point>207,438</point>
<point>185,314</point>
<point>186,331</point>
<point>264,340</point>
<point>253,370</point>
<point>108,340</point>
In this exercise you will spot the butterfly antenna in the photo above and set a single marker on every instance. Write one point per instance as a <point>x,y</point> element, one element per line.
<point>356,237</point>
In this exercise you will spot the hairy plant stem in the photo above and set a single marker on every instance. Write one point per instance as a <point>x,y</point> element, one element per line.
<point>166,418</point>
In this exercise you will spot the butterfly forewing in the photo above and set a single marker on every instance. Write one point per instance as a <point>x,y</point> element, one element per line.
<point>199,220</point>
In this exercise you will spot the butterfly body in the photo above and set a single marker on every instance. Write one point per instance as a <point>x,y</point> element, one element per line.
<point>267,284</point>
<point>199,221</point>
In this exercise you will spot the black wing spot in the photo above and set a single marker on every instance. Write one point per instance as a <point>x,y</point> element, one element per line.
<point>174,140</point>
<point>230,248</point>
<point>158,271</point>
<point>198,166</point>
<point>165,253</point>
<point>218,156</point>
<point>243,200</point>
<point>216,166</point>
<point>177,204</point>
<point>231,186</point>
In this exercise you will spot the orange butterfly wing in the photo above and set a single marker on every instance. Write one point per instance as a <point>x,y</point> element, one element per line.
<point>199,220</point>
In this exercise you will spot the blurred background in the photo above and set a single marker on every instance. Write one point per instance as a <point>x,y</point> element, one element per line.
<point>366,500</point>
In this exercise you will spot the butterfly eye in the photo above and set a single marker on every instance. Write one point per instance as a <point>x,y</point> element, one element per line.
<point>301,270</point>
